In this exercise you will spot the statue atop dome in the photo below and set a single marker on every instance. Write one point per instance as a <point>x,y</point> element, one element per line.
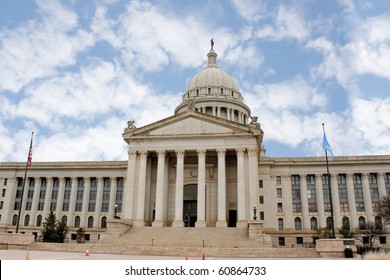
<point>212,43</point>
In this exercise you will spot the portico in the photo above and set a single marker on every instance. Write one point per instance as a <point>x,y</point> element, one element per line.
<point>222,166</point>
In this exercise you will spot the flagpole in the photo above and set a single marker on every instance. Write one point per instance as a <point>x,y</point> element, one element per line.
<point>330,188</point>
<point>24,182</point>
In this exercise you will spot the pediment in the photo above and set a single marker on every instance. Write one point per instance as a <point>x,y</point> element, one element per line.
<point>190,124</point>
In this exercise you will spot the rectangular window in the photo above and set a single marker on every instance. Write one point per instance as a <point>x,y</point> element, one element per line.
<point>261,215</point>
<point>278,180</point>
<point>358,190</point>
<point>261,199</point>
<point>280,207</point>
<point>280,224</point>
<point>261,184</point>
<point>344,207</point>
<point>297,208</point>
<point>296,193</point>
<point>282,242</point>
<point>279,193</point>
<point>5,181</point>
<point>312,207</point>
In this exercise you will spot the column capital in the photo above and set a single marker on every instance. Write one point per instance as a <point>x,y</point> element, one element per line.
<point>240,151</point>
<point>201,152</point>
<point>180,153</point>
<point>161,153</point>
<point>132,153</point>
<point>221,152</point>
<point>252,151</point>
<point>143,153</point>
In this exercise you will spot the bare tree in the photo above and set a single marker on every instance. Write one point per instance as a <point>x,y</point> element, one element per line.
<point>371,231</point>
<point>385,209</point>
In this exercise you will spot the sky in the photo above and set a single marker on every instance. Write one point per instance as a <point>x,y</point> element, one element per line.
<point>75,72</point>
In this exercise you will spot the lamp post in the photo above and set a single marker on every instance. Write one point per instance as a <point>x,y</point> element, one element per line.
<point>254,213</point>
<point>116,211</point>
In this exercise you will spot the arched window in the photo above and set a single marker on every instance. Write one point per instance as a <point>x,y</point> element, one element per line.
<point>362,223</point>
<point>329,222</point>
<point>77,222</point>
<point>26,220</point>
<point>14,219</point>
<point>313,223</point>
<point>65,220</point>
<point>103,223</point>
<point>39,220</point>
<point>90,222</point>
<point>378,222</point>
<point>298,223</point>
<point>346,222</point>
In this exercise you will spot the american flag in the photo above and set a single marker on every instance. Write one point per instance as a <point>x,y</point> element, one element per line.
<point>29,159</point>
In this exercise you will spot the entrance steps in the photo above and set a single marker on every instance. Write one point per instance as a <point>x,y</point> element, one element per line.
<point>186,237</point>
<point>181,242</point>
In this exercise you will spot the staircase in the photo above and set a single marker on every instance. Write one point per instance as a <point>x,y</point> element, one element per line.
<point>192,242</point>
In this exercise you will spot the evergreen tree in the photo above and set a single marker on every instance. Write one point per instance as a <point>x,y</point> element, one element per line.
<point>49,228</point>
<point>346,230</point>
<point>54,230</point>
<point>80,237</point>
<point>61,231</point>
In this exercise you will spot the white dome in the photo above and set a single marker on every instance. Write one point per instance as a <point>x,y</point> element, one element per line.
<point>213,76</point>
<point>213,91</point>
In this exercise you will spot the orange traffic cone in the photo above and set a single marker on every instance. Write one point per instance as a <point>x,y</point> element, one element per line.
<point>186,257</point>
<point>203,257</point>
<point>87,253</point>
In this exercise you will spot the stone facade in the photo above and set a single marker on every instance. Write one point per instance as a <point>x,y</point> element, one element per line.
<point>202,167</point>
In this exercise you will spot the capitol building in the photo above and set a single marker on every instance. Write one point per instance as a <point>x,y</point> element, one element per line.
<point>203,167</point>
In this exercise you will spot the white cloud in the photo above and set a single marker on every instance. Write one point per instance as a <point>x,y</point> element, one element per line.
<point>37,48</point>
<point>251,10</point>
<point>288,110</point>
<point>370,117</point>
<point>367,52</point>
<point>288,24</point>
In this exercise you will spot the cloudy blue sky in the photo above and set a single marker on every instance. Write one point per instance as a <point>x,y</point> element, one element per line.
<point>75,71</point>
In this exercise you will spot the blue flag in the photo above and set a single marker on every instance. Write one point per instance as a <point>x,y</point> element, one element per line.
<point>326,146</point>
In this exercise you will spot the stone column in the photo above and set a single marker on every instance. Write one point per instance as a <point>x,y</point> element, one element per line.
<point>158,222</point>
<point>336,201</point>
<point>241,195</point>
<point>253,173</point>
<point>98,206</point>
<point>9,200</point>
<point>84,210</point>
<point>72,201</point>
<point>113,188</point>
<point>140,218</point>
<point>128,191</point>
<point>320,201</point>
<point>60,197</point>
<point>178,222</point>
<point>221,221</point>
<point>46,206</point>
<point>367,198</point>
<point>201,219</point>
<point>305,203</point>
<point>381,185</point>
<point>148,212</point>
<point>351,201</point>
<point>34,206</point>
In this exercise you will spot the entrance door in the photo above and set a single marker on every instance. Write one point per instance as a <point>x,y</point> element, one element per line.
<point>232,218</point>
<point>190,213</point>
<point>190,205</point>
